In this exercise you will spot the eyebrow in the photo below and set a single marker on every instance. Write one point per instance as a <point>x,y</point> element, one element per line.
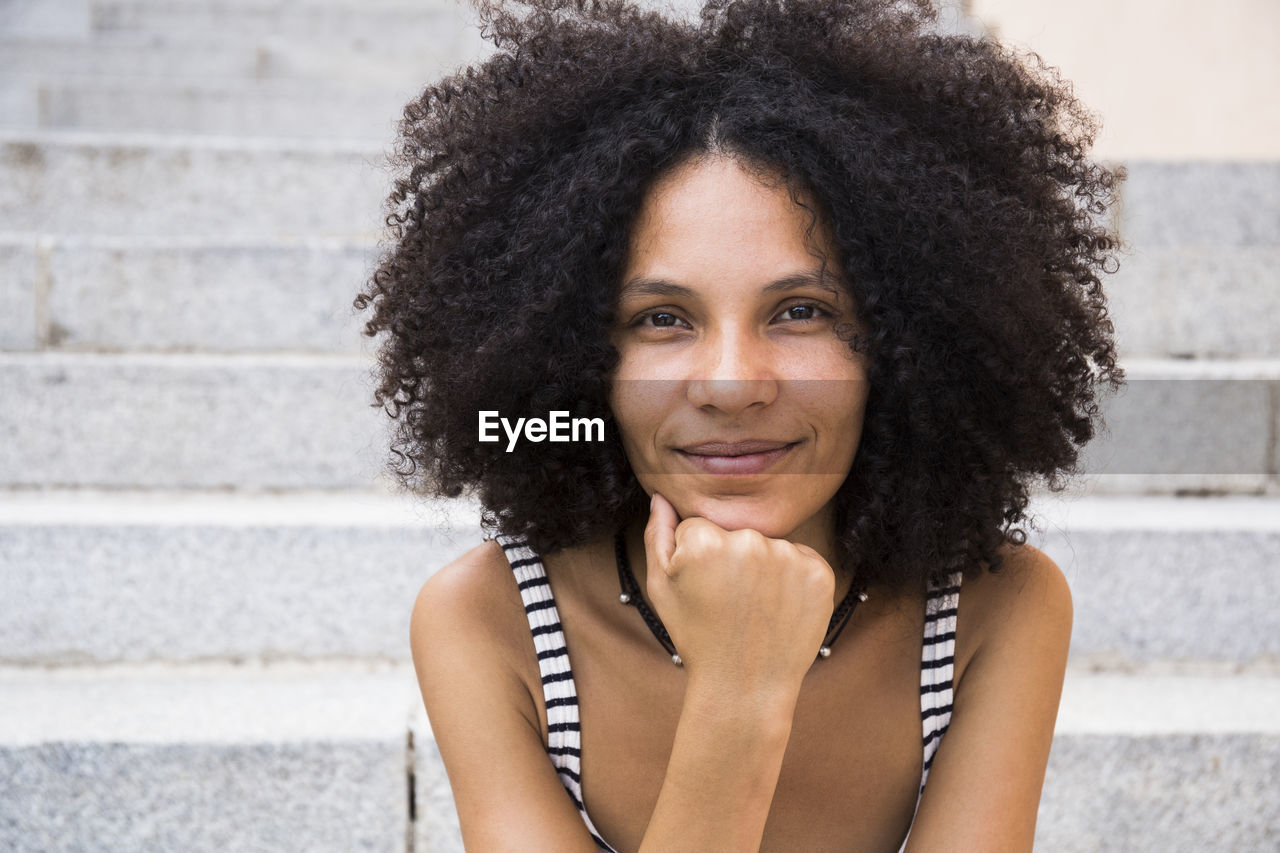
<point>645,286</point>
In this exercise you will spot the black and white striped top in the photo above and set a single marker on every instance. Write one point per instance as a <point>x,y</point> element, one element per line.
<point>564,738</point>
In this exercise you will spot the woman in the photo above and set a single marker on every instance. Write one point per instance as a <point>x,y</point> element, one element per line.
<point>830,283</point>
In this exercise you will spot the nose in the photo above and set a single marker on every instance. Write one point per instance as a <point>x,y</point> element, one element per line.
<point>736,371</point>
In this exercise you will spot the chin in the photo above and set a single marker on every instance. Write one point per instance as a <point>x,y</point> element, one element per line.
<point>741,512</point>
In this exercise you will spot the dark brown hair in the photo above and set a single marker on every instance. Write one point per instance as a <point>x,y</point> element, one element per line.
<point>951,171</point>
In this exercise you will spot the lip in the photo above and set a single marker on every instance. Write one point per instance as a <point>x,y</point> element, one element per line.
<point>740,458</point>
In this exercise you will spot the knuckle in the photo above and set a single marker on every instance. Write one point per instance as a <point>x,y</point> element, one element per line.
<point>747,541</point>
<point>696,534</point>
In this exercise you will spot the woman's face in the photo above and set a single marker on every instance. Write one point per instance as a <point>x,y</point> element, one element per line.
<point>735,398</point>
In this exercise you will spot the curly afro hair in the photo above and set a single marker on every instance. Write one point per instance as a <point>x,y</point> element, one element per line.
<point>951,171</point>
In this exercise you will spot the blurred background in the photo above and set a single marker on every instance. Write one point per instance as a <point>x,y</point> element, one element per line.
<point>205,580</point>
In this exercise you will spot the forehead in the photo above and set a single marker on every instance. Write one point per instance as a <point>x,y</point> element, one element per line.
<point>713,214</point>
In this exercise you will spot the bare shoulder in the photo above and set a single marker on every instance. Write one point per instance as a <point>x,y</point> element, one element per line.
<point>1013,632</point>
<point>477,670</point>
<point>471,589</point>
<point>1028,592</point>
<point>469,615</point>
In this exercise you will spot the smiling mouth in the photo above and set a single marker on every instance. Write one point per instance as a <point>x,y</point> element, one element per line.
<point>736,458</point>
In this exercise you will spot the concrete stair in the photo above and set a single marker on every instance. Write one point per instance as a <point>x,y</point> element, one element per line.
<point>217,757</point>
<point>207,580</point>
<point>240,67</point>
<point>172,186</point>
<point>116,295</point>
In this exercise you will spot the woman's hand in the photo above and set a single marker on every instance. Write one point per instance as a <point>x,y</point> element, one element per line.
<point>747,613</point>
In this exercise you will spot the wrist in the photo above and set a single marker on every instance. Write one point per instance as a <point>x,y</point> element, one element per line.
<point>762,710</point>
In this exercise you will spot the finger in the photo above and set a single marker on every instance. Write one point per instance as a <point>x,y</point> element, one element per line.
<point>810,552</point>
<point>660,532</point>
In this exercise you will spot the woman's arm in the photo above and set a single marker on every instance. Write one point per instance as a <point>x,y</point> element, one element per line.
<point>748,614</point>
<point>483,718</point>
<point>984,786</point>
<point>738,705</point>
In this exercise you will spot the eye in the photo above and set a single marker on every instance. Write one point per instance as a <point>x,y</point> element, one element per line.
<point>804,311</point>
<point>658,320</point>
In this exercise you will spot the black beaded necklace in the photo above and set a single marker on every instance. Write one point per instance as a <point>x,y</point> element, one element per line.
<point>630,594</point>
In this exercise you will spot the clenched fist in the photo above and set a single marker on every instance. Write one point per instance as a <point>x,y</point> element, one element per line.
<point>746,612</point>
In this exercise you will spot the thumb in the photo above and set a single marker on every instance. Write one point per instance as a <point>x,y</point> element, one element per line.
<point>660,533</point>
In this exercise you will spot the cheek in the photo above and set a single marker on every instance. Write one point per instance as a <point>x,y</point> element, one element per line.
<point>832,402</point>
<point>636,405</point>
<point>838,418</point>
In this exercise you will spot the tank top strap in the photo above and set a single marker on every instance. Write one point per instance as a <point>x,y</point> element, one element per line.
<point>937,666</point>
<point>937,670</point>
<point>564,729</point>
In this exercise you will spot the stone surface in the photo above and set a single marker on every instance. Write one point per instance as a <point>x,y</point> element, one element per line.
<point>1155,581</point>
<point>435,828</point>
<point>18,285</point>
<point>306,69</point>
<point>19,107</point>
<point>192,421</point>
<point>1177,303</point>
<point>186,578</point>
<point>1186,792</point>
<point>261,57</point>
<point>1152,596</point>
<point>140,295</point>
<point>1165,579</point>
<point>1173,419</point>
<point>180,186</point>
<point>66,20</point>
<point>214,107</point>
<point>211,759</point>
<point>1163,764</point>
<point>1191,302</point>
<point>263,797</point>
<point>309,21</point>
<point>1156,705</point>
<point>1208,205</point>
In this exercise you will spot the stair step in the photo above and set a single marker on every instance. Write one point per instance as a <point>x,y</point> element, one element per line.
<point>1203,205</point>
<point>251,58</point>
<point>206,759</point>
<point>1157,579</point>
<point>316,757</point>
<point>246,421</point>
<point>209,107</point>
<point>114,295</point>
<point>160,186</point>
<point>1217,302</point>
<point>240,422</point>
<point>219,189</point>
<point>310,18</point>
<point>1162,763</point>
<point>217,576</point>
<point>1157,582</point>
<point>1190,424</point>
<point>1143,765</point>
<point>19,286</point>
